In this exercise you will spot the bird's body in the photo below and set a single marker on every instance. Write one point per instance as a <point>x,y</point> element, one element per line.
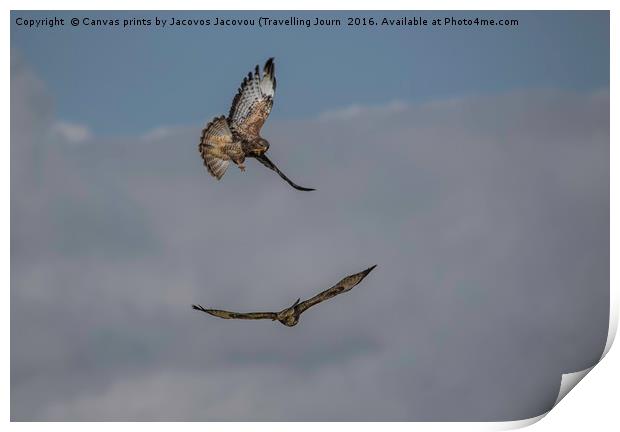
<point>290,315</point>
<point>237,137</point>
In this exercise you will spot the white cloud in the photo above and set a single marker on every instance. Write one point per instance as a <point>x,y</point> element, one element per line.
<point>71,132</point>
<point>355,110</point>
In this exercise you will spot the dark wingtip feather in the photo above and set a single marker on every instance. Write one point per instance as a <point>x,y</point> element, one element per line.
<point>368,270</point>
<point>269,67</point>
<point>305,189</point>
<point>202,309</point>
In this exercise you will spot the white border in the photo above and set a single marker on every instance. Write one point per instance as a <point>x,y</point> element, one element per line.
<point>596,394</point>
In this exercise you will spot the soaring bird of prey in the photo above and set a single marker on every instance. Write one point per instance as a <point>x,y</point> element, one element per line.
<point>237,136</point>
<point>290,316</point>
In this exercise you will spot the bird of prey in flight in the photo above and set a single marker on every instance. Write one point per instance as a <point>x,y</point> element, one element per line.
<point>237,136</point>
<point>290,316</point>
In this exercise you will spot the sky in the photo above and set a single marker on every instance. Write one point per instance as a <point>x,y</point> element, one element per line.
<point>123,81</point>
<point>471,165</point>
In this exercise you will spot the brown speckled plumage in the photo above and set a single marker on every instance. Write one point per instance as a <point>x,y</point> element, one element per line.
<point>290,315</point>
<point>237,136</point>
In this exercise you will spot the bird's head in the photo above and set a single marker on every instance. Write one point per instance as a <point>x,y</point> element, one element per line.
<point>289,316</point>
<point>260,146</point>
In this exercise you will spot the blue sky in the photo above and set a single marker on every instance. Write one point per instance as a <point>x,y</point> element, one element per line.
<point>127,81</point>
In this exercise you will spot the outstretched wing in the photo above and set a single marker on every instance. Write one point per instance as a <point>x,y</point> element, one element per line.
<point>253,101</point>
<point>343,286</point>
<point>212,147</point>
<point>265,161</point>
<point>236,315</point>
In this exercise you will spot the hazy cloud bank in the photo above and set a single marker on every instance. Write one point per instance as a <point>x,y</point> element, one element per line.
<point>488,218</point>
